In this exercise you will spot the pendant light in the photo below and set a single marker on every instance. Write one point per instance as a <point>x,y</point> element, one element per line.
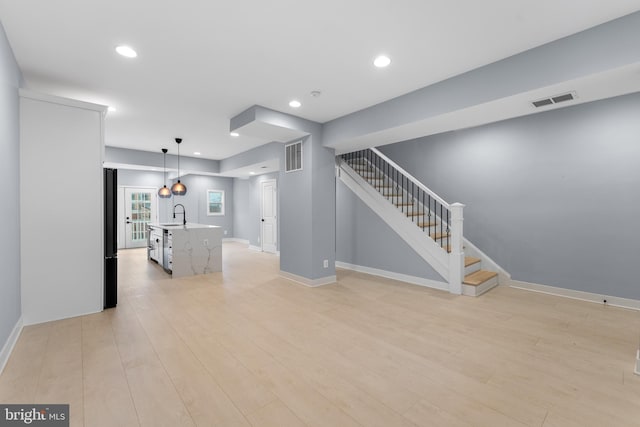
<point>179,189</point>
<point>164,192</point>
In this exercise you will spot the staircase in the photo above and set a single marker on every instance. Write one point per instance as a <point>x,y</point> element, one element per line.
<point>431,226</point>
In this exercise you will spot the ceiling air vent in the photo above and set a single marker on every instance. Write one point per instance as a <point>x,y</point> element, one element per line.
<point>542,103</point>
<point>562,98</point>
<point>554,100</point>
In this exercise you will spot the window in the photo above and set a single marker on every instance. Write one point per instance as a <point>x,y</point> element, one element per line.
<point>293,157</point>
<point>215,202</point>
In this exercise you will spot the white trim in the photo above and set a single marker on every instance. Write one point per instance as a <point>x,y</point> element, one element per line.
<point>312,283</point>
<point>632,304</point>
<point>10,344</point>
<point>259,249</point>
<point>222,203</point>
<point>635,371</point>
<point>434,284</point>
<point>274,183</point>
<point>235,239</point>
<point>37,96</point>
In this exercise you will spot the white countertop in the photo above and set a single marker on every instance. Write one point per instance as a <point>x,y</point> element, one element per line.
<point>179,226</point>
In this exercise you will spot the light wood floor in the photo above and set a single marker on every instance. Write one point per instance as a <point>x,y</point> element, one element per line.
<point>248,348</point>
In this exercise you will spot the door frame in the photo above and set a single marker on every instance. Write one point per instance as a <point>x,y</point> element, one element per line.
<point>121,210</point>
<point>275,204</point>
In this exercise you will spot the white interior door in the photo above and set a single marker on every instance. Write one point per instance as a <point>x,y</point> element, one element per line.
<point>139,210</point>
<point>269,227</point>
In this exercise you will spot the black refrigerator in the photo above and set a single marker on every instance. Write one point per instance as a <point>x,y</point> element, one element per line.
<point>110,238</point>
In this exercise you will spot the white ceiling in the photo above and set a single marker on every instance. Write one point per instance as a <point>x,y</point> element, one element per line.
<point>202,62</point>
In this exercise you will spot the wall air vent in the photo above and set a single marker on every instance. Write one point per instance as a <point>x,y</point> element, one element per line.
<point>293,157</point>
<point>554,100</point>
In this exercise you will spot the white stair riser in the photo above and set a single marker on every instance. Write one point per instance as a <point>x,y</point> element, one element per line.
<point>472,268</point>
<point>475,291</point>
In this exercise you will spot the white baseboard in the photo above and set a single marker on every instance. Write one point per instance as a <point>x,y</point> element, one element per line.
<point>233,239</point>
<point>637,369</point>
<point>434,284</point>
<point>255,248</point>
<point>309,282</point>
<point>10,344</point>
<point>632,304</point>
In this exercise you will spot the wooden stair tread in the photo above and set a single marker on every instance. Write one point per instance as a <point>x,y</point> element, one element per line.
<point>427,224</point>
<point>479,277</point>
<point>436,236</point>
<point>414,213</point>
<point>469,260</point>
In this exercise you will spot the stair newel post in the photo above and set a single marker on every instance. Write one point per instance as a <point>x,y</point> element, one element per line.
<point>456,257</point>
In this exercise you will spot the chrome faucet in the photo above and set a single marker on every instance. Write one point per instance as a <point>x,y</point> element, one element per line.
<point>184,213</point>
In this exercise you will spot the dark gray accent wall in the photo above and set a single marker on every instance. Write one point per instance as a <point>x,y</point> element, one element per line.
<point>552,197</point>
<point>364,239</point>
<point>10,80</point>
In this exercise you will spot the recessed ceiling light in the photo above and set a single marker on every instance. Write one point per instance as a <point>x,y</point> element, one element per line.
<point>197,153</point>
<point>382,61</point>
<point>126,51</point>
<point>234,134</point>
<point>112,109</point>
<point>316,93</point>
<point>252,173</point>
<point>295,104</point>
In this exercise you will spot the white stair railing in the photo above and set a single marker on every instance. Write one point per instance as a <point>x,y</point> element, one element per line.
<point>440,221</point>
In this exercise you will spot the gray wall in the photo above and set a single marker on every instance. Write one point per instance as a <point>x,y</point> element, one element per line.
<point>364,239</point>
<point>156,159</point>
<point>195,201</point>
<point>306,199</point>
<point>139,178</point>
<point>10,80</point>
<point>241,209</point>
<point>247,199</point>
<point>552,198</point>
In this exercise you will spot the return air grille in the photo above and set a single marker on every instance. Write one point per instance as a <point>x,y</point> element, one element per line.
<point>293,157</point>
<point>554,100</point>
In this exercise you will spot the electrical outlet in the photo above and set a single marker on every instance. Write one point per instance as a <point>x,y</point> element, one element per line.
<point>205,242</point>
<point>326,263</point>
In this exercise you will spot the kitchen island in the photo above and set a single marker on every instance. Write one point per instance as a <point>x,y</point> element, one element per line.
<point>186,250</point>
